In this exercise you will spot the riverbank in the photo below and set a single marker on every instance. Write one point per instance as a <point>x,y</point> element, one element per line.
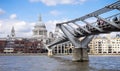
<point>22,54</point>
<point>104,54</point>
<point>38,54</point>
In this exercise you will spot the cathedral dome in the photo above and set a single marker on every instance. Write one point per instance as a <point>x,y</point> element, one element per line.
<point>40,24</point>
<point>40,30</point>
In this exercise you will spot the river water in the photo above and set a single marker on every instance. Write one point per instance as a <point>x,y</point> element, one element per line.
<point>58,63</point>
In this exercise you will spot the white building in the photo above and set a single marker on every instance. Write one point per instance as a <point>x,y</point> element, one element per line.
<point>10,42</point>
<point>40,31</point>
<point>8,50</point>
<point>105,45</point>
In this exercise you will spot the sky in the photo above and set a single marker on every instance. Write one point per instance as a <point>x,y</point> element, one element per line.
<point>23,14</point>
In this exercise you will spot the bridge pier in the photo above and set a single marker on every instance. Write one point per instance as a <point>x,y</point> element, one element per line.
<point>80,54</point>
<point>50,53</point>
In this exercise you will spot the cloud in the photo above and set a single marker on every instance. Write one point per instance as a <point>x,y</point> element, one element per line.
<point>56,2</point>
<point>1,11</point>
<point>55,13</point>
<point>34,0</point>
<point>22,28</point>
<point>13,16</point>
<point>51,24</point>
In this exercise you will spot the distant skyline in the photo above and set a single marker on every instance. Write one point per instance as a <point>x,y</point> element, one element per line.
<point>23,14</point>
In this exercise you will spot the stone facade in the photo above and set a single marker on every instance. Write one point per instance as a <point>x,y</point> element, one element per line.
<point>105,45</point>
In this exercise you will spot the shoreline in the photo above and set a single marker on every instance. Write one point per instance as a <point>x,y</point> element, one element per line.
<point>39,54</point>
<point>22,54</point>
<point>105,54</point>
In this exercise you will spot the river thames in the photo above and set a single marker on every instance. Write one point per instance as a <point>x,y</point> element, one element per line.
<point>58,63</point>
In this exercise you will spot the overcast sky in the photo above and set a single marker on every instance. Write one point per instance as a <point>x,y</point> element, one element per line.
<point>23,14</point>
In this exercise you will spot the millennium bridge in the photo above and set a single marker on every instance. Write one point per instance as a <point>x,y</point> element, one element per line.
<point>101,25</point>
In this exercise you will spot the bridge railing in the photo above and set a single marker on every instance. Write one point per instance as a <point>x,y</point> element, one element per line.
<point>102,24</point>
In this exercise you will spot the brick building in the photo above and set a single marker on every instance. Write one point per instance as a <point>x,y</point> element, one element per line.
<point>22,46</point>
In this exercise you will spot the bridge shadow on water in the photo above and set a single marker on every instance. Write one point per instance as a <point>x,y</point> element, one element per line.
<point>66,64</point>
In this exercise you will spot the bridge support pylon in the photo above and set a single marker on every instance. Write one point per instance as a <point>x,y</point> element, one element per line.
<point>80,54</point>
<point>50,53</point>
<point>80,51</point>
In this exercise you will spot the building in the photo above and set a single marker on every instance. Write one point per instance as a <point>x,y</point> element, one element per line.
<point>9,47</point>
<point>40,31</point>
<point>105,45</point>
<point>63,48</point>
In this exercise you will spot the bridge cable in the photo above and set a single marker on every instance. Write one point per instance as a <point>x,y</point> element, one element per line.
<point>69,31</point>
<point>92,26</point>
<point>82,28</point>
<point>75,29</point>
<point>109,22</point>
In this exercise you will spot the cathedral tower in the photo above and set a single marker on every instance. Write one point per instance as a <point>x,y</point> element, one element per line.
<point>13,32</point>
<point>40,31</point>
